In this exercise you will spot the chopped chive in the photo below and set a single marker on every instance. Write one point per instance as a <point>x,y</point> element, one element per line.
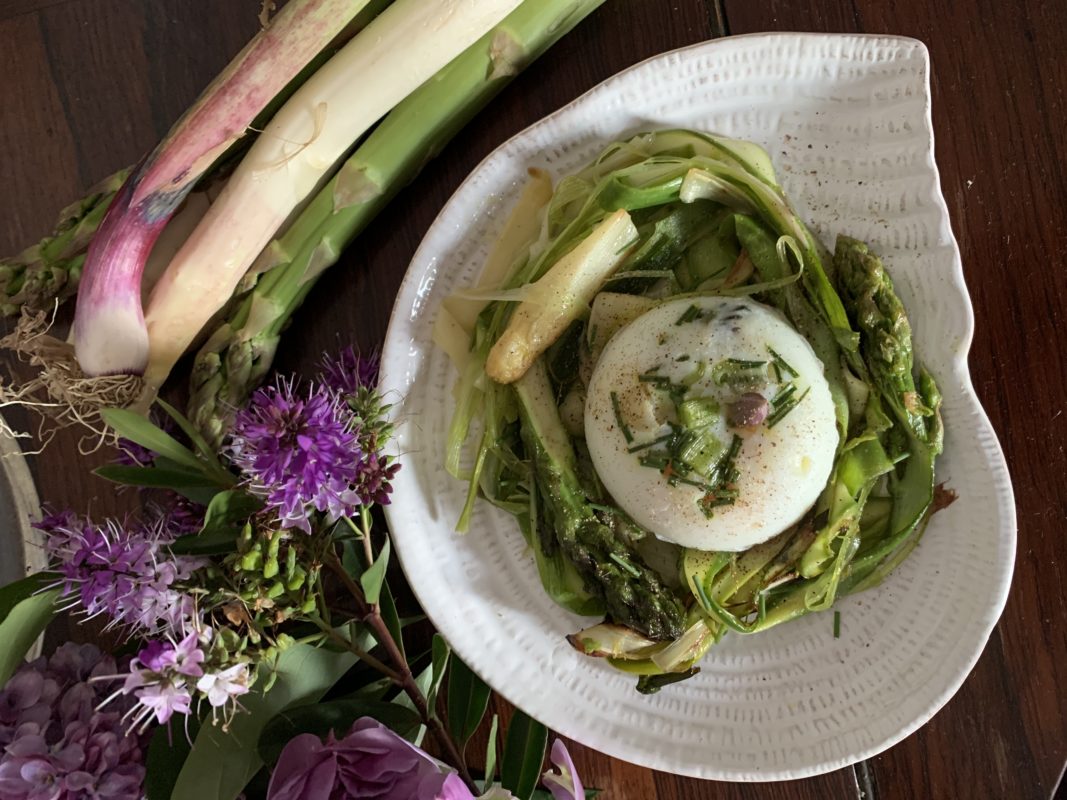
<point>690,482</point>
<point>619,420</point>
<point>685,357</point>
<point>780,412</point>
<point>651,377</point>
<point>735,448</point>
<point>657,461</point>
<point>781,364</point>
<point>743,364</point>
<point>837,624</point>
<point>626,565</point>
<point>783,394</point>
<point>688,315</point>
<point>637,448</point>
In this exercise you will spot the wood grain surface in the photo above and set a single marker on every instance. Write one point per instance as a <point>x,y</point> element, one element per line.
<point>90,85</point>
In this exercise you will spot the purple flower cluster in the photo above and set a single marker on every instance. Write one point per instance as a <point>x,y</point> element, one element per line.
<point>165,675</point>
<point>316,449</point>
<point>124,572</point>
<point>54,744</point>
<point>298,450</point>
<point>348,372</point>
<point>373,485</point>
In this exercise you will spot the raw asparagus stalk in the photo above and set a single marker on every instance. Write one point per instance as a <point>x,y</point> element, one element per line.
<point>48,272</point>
<point>635,596</point>
<point>302,146</point>
<point>239,352</point>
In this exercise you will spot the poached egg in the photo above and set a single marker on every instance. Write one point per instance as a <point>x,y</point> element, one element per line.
<point>767,413</point>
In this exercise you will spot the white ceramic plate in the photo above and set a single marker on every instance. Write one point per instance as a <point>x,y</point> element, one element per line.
<point>847,122</point>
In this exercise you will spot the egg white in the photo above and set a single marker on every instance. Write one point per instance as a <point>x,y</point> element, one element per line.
<point>782,469</point>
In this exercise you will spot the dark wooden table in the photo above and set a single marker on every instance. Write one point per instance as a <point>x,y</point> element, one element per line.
<point>90,85</point>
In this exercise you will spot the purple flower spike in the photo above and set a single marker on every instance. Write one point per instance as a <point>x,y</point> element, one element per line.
<point>348,372</point>
<point>564,785</point>
<point>124,572</point>
<point>298,451</point>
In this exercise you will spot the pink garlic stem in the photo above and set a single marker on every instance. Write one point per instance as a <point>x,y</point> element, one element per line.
<point>110,336</point>
<point>109,329</point>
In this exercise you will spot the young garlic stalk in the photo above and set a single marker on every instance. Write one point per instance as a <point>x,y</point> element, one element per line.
<point>109,327</point>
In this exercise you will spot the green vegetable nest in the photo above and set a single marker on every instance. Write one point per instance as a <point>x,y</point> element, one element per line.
<point>710,219</point>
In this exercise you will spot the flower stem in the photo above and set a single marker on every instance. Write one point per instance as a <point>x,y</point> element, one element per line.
<point>404,678</point>
<point>359,652</point>
<point>365,523</point>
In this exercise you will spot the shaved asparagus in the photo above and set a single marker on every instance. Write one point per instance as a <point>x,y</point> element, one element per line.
<point>393,56</point>
<point>239,352</point>
<point>110,332</point>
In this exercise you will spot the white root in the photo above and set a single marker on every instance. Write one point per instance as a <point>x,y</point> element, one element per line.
<point>60,394</point>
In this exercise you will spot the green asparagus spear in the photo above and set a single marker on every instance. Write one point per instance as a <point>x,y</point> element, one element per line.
<point>239,352</point>
<point>49,270</point>
<point>635,596</point>
<point>878,314</point>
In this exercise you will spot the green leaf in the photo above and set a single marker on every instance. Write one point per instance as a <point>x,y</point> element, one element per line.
<point>422,680</point>
<point>374,577</point>
<point>335,715</point>
<point>544,794</point>
<point>166,754</point>
<point>199,442</point>
<point>229,510</point>
<point>490,754</point>
<point>439,664</point>
<point>138,429</point>
<point>221,763</point>
<point>22,624</point>
<point>204,544</point>
<point>352,561</point>
<point>524,753</point>
<point>155,477</point>
<point>392,618</point>
<point>468,698</point>
<point>225,517</point>
<point>15,592</point>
